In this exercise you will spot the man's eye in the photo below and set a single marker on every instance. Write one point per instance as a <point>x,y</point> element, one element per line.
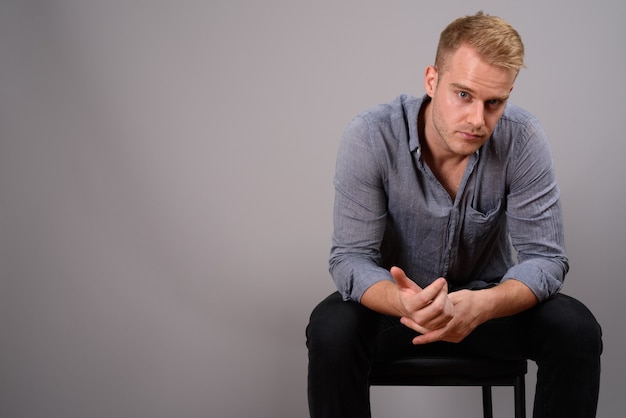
<point>494,103</point>
<point>463,95</point>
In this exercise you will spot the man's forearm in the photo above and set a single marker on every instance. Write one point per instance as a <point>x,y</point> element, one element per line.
<point>382,297</point>
<point>508,298</point>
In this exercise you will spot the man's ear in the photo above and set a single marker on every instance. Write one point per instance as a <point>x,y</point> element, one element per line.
<point>431,76</point>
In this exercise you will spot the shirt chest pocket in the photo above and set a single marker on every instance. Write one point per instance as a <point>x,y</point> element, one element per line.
<point>479,226</point>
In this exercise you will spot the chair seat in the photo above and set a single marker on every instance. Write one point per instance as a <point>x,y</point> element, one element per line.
<point>447,371</point>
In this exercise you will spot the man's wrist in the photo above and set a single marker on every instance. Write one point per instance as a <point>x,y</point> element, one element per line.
<point>507,298</point>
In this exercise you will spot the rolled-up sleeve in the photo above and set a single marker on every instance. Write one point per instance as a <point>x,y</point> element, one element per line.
<point>534,215</point>
<point>359,215</point>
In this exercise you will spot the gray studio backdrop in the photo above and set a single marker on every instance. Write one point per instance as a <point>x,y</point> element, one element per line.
<point>165,191</point>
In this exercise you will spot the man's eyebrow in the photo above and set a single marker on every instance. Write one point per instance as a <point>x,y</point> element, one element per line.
<point>503,98</point>
<point>462,87</point>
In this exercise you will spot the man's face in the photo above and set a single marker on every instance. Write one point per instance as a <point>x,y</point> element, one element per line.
<point>468,98</point>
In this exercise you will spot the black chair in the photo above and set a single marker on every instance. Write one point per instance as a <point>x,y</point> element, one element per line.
<point>456,371</point>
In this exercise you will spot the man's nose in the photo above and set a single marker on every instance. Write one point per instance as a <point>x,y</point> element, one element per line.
<point>476,115</point>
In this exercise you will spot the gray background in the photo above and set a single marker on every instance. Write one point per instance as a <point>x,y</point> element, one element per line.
<point>165,191</point>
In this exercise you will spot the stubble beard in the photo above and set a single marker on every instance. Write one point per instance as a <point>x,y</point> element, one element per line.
<point>450,140</point>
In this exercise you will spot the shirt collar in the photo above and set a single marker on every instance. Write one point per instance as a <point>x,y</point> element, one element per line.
<point>412,115</point>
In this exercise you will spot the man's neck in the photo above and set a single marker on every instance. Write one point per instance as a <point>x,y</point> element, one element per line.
<point>447,166</point>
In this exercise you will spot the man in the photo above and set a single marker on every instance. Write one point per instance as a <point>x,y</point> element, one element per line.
<point>448,237</point>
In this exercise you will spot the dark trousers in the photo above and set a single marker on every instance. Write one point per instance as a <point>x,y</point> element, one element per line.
<point>560,335</point>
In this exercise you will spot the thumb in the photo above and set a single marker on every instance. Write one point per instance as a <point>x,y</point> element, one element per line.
<point>402,280</point>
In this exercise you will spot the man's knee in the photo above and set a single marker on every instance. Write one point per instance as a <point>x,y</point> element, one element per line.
<point>568,323</point>
<point>337,326</point>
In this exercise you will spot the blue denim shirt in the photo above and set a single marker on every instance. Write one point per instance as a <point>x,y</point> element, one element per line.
<point>505,222</point>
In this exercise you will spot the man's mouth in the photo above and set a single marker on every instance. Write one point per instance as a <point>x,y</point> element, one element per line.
<point>471,136</point>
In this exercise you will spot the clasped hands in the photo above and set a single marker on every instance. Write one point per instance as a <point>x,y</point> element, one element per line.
<point>433,312</point>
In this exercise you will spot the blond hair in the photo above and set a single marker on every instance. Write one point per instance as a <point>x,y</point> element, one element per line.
<point>495,40</point>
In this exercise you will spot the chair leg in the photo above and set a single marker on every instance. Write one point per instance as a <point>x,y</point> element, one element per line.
<point>520,397</point>
<point>487,404</point>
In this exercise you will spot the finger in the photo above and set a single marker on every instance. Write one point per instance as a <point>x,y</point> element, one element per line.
<point>438,288</point>
<point>429,337</point>
<point>431,320</point>
<point>408,322</point>
<point>436,313</point>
